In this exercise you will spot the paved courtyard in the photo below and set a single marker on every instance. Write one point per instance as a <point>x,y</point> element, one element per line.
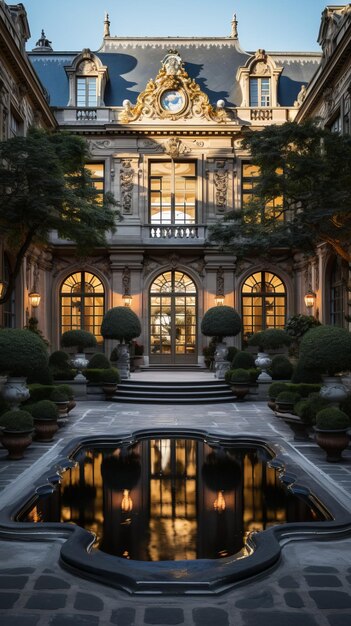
<point>310,586</point>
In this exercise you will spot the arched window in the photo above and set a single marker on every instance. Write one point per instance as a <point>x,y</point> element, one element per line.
<point>263,300</point>
<point>173,325</point>
<point>82,303</point>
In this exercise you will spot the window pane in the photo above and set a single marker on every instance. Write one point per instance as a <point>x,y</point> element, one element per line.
<point>253,92</point>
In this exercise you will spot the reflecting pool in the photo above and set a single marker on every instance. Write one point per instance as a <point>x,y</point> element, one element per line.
<point>173,499</point>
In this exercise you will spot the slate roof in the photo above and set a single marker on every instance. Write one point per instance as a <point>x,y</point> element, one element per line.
<point>212,62</point>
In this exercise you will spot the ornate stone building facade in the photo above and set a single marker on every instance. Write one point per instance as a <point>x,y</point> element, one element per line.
<point>23,103</point>
<point>164,120</point>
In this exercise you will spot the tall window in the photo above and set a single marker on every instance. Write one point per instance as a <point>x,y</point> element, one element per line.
<point>82,303</point>
<point>97,172</point>
<point>260,92</point>
<point>172,194</point>
<point>249,175</point>
<point>86,91</point>
<point>263,302</point>
<point>337,294</point>
<point>9,308</point>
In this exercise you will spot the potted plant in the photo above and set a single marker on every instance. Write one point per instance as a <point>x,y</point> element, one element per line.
<point>332,432</point>
<point>286,400</point>
<point>45,414</point>
<point>265,340</point>
<point>21,352</point>
<point>219,322</point>
<point>61,399</point>
<point>67,389</point>
<point>123,324</point>
<point>239,380</point>
<point>109,381</point>
<point>79,339</point>
<point>16,432</point>
<point>327,349</point>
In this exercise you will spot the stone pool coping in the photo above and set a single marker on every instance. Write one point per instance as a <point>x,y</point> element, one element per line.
<point>204,576</point>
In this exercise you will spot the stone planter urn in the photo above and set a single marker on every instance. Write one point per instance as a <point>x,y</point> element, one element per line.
<point>109,389</point>
<point>240,390</point>
<point>123,361</point>
<point>333,442</point>
<point>16,441</point>
<point>220,362</point>
<point>80,362</point>
<point>263,361</point>
<point>333,390</point>
<point>15,391</point>
<point>45,429</point>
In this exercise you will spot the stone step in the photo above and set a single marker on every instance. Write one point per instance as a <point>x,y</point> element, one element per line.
<point>174,400</point>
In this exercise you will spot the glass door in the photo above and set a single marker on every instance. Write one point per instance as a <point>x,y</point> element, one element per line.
<point>173,315</point>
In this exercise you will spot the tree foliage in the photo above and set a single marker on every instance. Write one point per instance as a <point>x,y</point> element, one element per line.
<point>45,187</point>
<point>306,170</point>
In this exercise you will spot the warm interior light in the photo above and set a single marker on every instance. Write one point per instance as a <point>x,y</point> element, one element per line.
<point>127,299</point>
<point>34,298</point>
<point>219,503</point>
<point>219,300</point>
<point>310,299</point>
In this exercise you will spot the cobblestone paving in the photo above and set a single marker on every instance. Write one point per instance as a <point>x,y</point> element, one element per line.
<point>309,587</point>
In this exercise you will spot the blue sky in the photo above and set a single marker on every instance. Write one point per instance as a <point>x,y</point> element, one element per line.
<point>271,24</point>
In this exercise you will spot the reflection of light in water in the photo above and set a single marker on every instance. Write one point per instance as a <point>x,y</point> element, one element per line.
<point>127,502</point>
<point>219,503</point>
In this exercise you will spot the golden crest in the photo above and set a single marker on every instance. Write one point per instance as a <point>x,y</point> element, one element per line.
<point>171,96</point>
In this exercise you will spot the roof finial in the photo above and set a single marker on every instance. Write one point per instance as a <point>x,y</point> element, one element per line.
<point>234,33</point>
<point>106,26</point>
<point>43,44</point>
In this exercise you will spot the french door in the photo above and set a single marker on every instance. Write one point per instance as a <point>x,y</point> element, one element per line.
<point>173,319</point>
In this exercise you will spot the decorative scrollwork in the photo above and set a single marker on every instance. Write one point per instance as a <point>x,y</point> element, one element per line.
<point>172,78</point>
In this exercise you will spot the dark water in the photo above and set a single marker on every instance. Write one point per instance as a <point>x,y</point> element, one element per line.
<point>172,499</point>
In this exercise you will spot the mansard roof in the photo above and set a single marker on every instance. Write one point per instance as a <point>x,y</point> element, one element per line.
<point>212,62</point>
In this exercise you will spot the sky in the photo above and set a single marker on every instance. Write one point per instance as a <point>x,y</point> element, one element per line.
<point>274,25</point>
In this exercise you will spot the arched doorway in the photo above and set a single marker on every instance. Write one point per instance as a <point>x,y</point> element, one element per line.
<point>173,315</point>
<point>82,303</point>
<point>263,301</point>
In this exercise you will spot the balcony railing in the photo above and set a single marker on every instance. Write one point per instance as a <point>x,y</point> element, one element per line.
<point>173,231</point>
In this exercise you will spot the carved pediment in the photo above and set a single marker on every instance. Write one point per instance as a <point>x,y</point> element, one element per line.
<point>171,96</point>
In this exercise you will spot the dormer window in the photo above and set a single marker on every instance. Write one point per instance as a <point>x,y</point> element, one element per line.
<point>259,81</point>
<point>87,81</point>
<point>260,92</point>
<point>86,91</point>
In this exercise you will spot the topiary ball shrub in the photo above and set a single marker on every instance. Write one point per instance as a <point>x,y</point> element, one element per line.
<point>21,352</point>
<point>80,339</point>
<point>40,375</point>
<point>99,361</point>
<point>308,408</point>
<point>303,374</point>
<point>17,420</point>
<point>221,321</point>
<point>281,368</point>
<point>327,349</point>
<point>45,409</point>
<point>120,323</point>
<point>60,359</point>
<point>275,389</point>
<point>110,375</point>
<point>332,418</point>
<point>243,359</point>
<point>58,395</point>
<point>66,389</point>
<point>240,375</point>
<point>289,397</point>
<point>232,351</point>
<point>270,339</point>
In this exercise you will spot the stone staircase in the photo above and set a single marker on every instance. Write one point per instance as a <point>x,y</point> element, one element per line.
<point>178,392</point>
